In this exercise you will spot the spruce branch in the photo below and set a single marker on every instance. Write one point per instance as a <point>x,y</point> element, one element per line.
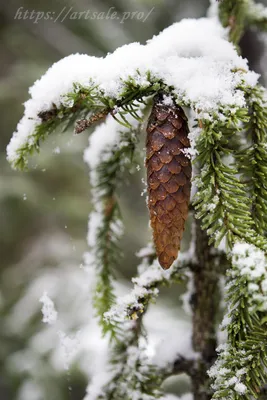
<point>240,369</point>
<point>238,15</point>
<point>122,107</point>
<point>87,98</point>
<point>86,105</point>
<point>105,221</point>
<point>146,285</point>
<point>253,159</point>
<point>231,205</point>
<point>128,361</point>
<point>232,14</point>
<point>83,124</point>
<point>133,375</point>
<point>227,210</point>
<point>106,256</point>
<point>222,201</point>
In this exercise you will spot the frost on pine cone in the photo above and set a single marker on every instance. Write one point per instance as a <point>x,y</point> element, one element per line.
<point>168,177</point>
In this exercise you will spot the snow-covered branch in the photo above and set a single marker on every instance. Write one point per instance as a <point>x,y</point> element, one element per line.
<point>110,151</point>
<point>241,365</point>
<point>146,284</point>
<point>191,59</point>
<point>191,64</point>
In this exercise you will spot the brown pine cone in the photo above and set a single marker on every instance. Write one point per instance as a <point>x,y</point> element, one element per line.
<point>168,177</point>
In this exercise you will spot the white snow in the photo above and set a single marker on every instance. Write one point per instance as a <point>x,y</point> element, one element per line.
<point>69,345</point>
<point>167,350</point>
<point>213,9</point>
<point>105,136</point>
<point>94,224</point>
<point>187,296</point>
<point>250,262</point>
<point>193,56</point>
<point>240,388</point>
<point>258,11</point>
<point>167,100</point>
<point>99,380</point>
<point>146,251</point>
<point>149,276</point>
<point>48,309</point>
<point>249,266</point>
<point>101,143</point>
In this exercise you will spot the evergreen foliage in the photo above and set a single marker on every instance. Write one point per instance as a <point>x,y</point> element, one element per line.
<point>240,14</point>
<point>252,159</point>
<point>105,180</point>
<point>231,202</point>
<point>240,369</point>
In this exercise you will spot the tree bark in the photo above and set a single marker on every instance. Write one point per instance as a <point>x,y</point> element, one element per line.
<point>205,303</point>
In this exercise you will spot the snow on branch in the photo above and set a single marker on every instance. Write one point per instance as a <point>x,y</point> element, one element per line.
<point>241,365</point>
<point>131,376</point>
<point>252,160</point>
<point>110,151</point>
<point>48,309</point>
<point>131,373</point>
<point>191,59</point>
<point>223,201</point>
<point>146,285</point>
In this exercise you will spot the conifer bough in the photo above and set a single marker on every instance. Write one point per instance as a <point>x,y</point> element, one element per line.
<point>168,177</point>
<point>190,64</point>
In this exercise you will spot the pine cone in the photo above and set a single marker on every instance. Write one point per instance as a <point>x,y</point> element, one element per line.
<point>168,176</point>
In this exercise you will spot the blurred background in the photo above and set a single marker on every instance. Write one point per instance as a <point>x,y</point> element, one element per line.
<point>44,211</point>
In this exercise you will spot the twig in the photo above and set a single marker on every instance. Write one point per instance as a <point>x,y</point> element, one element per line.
<point>184,365</point>
<point>83,124</point>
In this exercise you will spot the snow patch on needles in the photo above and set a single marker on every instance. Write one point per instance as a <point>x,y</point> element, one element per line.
<point>105,140</point>
<point>109,152</point>
<point>246,298</point>
<point>227,379</point>
<point>98,382</point>
<point>240,388</point>
<point>192,56</point>
<point>48,309</point>
<point>101,144</point>
<point>132,304</point>
<point>104,137</point>
<point>150,276</point>
<point>250,262</point>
